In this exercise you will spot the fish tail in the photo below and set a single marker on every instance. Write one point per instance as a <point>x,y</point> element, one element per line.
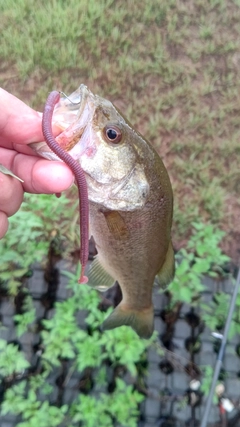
<point>142,322</point>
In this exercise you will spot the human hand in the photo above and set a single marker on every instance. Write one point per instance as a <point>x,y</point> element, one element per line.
<point>19,126</point>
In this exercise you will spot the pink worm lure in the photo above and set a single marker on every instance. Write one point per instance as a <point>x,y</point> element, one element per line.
<point>52,100</point>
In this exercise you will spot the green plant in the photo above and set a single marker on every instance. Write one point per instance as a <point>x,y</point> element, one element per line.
<point>24,320</point>
<point>120,407</point>
<point>207,372</point>
<point>202,256</point>
<point>215,313</point>
<point>12,361</point>
<point>33,411</point>
<point>235,324</point>
<point>25,245</point>
<point>63,339</point>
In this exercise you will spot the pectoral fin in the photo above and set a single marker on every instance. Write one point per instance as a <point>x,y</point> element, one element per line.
<point>141,321</point>
<point>166,273</point>
<point>116,225</point>
<point>98,277</point>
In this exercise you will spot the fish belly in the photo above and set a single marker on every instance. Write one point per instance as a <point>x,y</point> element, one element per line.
<point>132,254</point>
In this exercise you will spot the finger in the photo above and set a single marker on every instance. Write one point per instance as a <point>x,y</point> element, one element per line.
<point>42,176</point>
<point>18,122</point>
<point>39,175</point>
<point>3,224</point>
<point>11,194</point>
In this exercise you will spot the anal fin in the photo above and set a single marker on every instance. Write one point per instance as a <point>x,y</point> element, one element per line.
<point>166,273</point>
<point>98,277</point>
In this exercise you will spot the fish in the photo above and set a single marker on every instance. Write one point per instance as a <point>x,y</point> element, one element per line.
<point>130,204</point>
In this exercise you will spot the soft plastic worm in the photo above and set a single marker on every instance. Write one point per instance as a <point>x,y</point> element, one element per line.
<point>52,100</point>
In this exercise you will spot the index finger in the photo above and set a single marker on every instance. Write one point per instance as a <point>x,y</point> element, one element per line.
<point>19,123</point>
<point>39,175</point>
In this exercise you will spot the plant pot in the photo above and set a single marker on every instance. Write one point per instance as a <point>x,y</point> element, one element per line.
<point>222,375</point>
<point>192,370</point>
<point>86,384</point>
<point>166,367</point>
<point>60,381</point>
<point>166,339</point>
<point>237,349</point>
<point>192,319</point>
<point>216,346</point>
<point>166,421</point>
<point>193,345</point>
<point>19,302</point>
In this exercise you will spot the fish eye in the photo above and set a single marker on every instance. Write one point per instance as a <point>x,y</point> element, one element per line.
<point>112,134</point>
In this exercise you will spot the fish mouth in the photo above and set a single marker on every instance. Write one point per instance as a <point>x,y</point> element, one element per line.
<point>75,119</point>
<point>76,101</point>
<point>70,115</point>
<point>70,108</point>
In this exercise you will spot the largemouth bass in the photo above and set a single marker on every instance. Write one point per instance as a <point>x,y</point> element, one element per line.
<point>130,204</point>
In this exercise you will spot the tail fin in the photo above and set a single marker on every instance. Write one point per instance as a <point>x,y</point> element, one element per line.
<point>141,321</point>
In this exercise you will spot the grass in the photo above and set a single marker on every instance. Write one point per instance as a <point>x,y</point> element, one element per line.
<point>172,67</point>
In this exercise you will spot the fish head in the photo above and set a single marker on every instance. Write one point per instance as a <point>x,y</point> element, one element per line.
<point>110,152</point>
